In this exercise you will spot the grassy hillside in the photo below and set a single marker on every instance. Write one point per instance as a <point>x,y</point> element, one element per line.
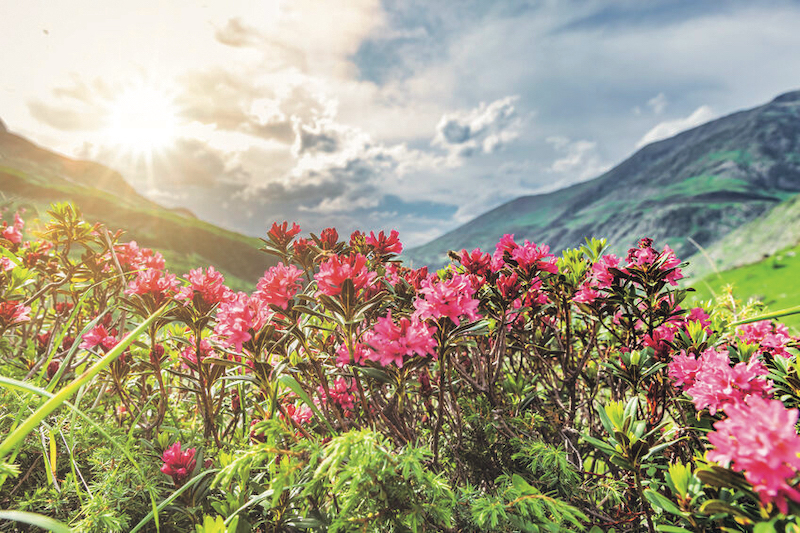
<point>700,184</point>
<point>33,176</point>
<point>775,281</point>
<point>763,237</point>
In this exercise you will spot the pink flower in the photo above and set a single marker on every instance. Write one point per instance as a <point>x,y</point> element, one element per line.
<point>189,353</point>
<point>131,256</point>
<point>716,384</point>
<point>476,262</point>
<point>328,238</point>
<point>504,246</point>
<point>508,285</point>
<point>239,318</point>
<point>14,233</point>
<point>659,339</point>
<point>209,286</point>
<point>531,257</point>
<point>683,369</point>
<point>586,295</point>
<point>599,278</point>
<point>158,284</point>
<point>383,244</point>
<point>644,255</point>
<point>178,464</point>
<point>301,415</point>
<point>6,264</point>
<point>759,438</point>
<point>12,312</point>
<point>670,262</point>
<point>341,393</point>
<point>450,298</point>
<point>99,336</point>
<point>281,235</point>
<point>279,285</point>
<point>698,314</point>
<point>600,270</point>
<point>333,272</point>
<point>360,354</point>
<point>771,338</point>
<point>391,341</point>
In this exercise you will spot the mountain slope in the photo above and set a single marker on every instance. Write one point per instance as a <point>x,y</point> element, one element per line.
<point>701,183</point>
<point>32,175</point>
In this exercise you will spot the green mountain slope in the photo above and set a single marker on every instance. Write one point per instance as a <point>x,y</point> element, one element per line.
<point>37,177</point>
<point>764,237</point>
<point>775,281</point>
<point>700,184</point>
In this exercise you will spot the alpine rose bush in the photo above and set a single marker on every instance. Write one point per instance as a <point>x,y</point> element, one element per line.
<point>511,390</point>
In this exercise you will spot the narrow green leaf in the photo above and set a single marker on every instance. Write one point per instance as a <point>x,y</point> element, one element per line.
<point>292,383</point>
<point>12,440</point>
<point>44,522</point>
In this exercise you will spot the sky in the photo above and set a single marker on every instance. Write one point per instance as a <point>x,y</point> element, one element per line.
<point>416,115</point>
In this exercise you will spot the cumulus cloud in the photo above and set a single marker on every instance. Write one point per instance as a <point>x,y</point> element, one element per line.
<point>483,129</point>
<point>579,159</point>
<point>668,128</point>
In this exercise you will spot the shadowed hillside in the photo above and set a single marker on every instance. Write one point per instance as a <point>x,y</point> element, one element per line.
<point>35,176</point>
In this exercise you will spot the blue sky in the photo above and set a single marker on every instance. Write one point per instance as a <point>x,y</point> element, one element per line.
<point>415,115</point>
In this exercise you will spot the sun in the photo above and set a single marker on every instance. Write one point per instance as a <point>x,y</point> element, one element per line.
<point>142,120</point>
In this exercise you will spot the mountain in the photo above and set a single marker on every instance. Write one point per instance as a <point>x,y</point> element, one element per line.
<point>698,185</point>
<point>36,177</point>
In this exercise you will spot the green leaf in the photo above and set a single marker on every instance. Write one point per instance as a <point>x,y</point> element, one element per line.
<point>12,440</point>
<point>600,445</point>
<point>44,522</point>
<point>662,502</point>
<point>292,383</point>
<point>718,506</point>
<point>376,374</point>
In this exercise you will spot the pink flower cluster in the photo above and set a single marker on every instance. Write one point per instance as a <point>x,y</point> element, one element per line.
<point>714,384</point>
<point>209,286</point>
<point>158,284</point>
<point>281,234</point>
<point>360,353</point>
<point>451,298</point>
<point>759,438</point>
<point>279,285</point>
<point>300,415</point>
<point>772,339</point>
<point>12,312</point>
<point>341,394</point>
<point>333,272</point>
<point>178,464</point>
<point>666,260</point>
<point>13,233</point>
<point>391,341</point>
<point>528,256</point>
<point>385,245</point>
<point>239,318</point>
<point>189,353</point>
<point>99,336</point>
<point>132,257</point>
<point>599,278</point>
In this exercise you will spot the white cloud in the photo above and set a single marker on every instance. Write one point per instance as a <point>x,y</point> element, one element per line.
<point>668,128</point>
<point>579,161</point>
<point>483,129</point>
<point>658,103</point>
